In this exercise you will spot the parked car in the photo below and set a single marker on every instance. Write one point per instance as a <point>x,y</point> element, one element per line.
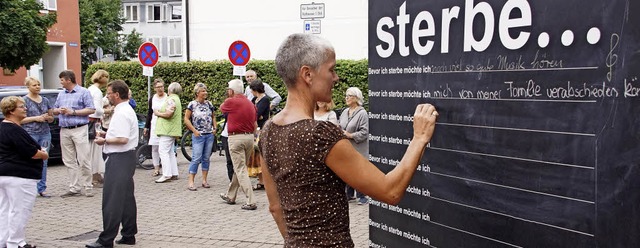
<point>52,95</point>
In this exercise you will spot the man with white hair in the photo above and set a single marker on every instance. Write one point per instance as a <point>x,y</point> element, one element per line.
<point>241,125</point>
<point>251,76</point>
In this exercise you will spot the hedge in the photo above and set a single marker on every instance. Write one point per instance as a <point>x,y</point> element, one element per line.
<point>216,74</point>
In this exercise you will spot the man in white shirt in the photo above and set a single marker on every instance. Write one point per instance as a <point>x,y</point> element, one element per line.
<point>251,76</point>
<point>118,199</point>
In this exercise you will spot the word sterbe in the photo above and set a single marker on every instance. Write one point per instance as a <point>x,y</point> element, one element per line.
<point>480,10</point>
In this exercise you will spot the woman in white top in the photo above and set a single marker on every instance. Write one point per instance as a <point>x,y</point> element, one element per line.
<point>324,112</point>
<point>100,79</point>
<point>150,126</point>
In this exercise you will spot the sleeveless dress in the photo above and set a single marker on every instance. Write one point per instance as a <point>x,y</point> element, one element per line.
<point>312,196</point>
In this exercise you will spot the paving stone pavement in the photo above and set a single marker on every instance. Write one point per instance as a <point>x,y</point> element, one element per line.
<point>168,214</point>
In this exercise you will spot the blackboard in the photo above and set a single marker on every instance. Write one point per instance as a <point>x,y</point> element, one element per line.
<point>538,139</point>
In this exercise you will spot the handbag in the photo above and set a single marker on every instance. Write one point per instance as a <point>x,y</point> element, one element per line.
<point>92,130</point>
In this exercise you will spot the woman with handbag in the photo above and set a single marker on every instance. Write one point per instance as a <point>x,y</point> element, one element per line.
<point>100,79</point>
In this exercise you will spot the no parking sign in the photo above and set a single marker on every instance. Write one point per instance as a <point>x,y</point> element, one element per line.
<point>239,55</point>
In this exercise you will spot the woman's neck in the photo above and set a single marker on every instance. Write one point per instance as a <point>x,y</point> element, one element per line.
<point>12,119</point>
<point>321,111</point>
<point>33,95</point>
<point>200,100</point>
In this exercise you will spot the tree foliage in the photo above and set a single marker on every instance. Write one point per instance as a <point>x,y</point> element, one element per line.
<point>100,26</point>
<point>23,32</point>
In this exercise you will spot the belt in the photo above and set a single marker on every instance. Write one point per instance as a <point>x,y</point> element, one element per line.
<point>76,126</point>
<point>236,133</point>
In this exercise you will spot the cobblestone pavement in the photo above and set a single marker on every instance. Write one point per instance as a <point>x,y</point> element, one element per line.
<point>168,214</point>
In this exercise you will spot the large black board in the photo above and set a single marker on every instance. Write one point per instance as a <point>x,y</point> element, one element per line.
<point>538,139</point>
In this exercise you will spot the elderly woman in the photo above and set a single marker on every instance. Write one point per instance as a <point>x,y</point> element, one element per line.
<point>199,117</point>
<point>308,162</point>
<point>20,169</point>
<point>168,128</point>
<point>324,112</point>
<point>100,79</point>
<point>39,115</point>
<point>155,103</point>
<point>354,121</point>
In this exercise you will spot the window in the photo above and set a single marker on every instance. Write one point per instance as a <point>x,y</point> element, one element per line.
<point>157,41</point>
<point>175,46</point>
<point>175,11</point>
<point>131,12</point>
<point>49,4</point>
<point>155,12</point>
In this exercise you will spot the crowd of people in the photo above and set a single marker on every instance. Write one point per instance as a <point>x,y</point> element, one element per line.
<point>99,135</point>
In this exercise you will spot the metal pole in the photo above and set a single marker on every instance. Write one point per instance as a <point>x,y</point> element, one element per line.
<point>148,87</point>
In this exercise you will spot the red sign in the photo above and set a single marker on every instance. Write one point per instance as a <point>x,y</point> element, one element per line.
<point>239,53</point>
<point>148,54</point>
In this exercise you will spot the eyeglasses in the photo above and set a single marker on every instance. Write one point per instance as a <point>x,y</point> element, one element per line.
<point>159,86</point>
<point>22,107</point>
<point>349,96</point>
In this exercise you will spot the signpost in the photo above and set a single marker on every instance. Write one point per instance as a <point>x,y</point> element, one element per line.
<point>312,27</point>
<point>239,55</point>
<point>311,11</point>
<point>148,57</point>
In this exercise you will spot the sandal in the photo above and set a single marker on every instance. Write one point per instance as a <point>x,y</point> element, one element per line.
<point>206,185</point>
<point>226,199</point>
<point>192,188</point>
<point>259,187</point>
<point>155,173</point>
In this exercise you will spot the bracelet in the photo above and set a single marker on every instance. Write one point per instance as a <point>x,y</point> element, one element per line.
<point>74,112</point>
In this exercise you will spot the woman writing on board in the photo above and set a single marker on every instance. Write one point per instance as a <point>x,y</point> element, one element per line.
<point>307,162</point>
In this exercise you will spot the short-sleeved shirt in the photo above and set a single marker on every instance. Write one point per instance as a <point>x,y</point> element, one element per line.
<point>78,98</point>
<point>201,116</point>
<point>312,196</point>
<point>37,109</point>
<point>16,151</point>
<point>124,124</point>
<point>241,114</point>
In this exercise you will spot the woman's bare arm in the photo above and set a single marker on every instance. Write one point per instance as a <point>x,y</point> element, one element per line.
<point>365,177</point>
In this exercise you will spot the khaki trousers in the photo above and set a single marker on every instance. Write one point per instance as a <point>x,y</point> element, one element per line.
<point>74,144</point>
<point>240,149</point>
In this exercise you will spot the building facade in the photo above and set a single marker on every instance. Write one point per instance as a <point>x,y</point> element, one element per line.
<point>160,22</point>
<point>64,48</point>
<point>263,25</point>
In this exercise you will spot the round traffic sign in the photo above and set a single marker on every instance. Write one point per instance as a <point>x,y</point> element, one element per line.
<point>239,53</point>
<point>148,54</point>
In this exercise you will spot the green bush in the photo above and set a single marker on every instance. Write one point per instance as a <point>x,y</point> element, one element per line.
<point>216,74</point>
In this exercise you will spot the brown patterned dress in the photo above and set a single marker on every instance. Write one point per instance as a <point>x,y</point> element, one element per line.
<point>312,196</point>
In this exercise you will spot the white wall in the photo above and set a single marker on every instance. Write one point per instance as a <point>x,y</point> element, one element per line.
<point>263,25</point>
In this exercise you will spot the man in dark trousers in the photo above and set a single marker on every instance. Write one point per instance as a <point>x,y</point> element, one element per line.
<point>120,141</point>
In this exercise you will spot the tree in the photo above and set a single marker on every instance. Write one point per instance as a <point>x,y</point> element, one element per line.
<point>24,33</point>
<point>100,26</point>
<point>130,44</point>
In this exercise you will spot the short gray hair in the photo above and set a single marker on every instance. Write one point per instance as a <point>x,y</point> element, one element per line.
<point>175,88</point>
<point>299,50</point>
<point>354,91</point>
<point>199,86</point>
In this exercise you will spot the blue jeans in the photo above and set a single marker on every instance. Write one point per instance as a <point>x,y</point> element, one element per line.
<point>201,151</point>
<point>42,139</point>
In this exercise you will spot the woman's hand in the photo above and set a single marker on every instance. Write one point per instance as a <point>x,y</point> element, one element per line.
<point>424,122</point>
<point>347,134</point>
<point>197,133</point>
